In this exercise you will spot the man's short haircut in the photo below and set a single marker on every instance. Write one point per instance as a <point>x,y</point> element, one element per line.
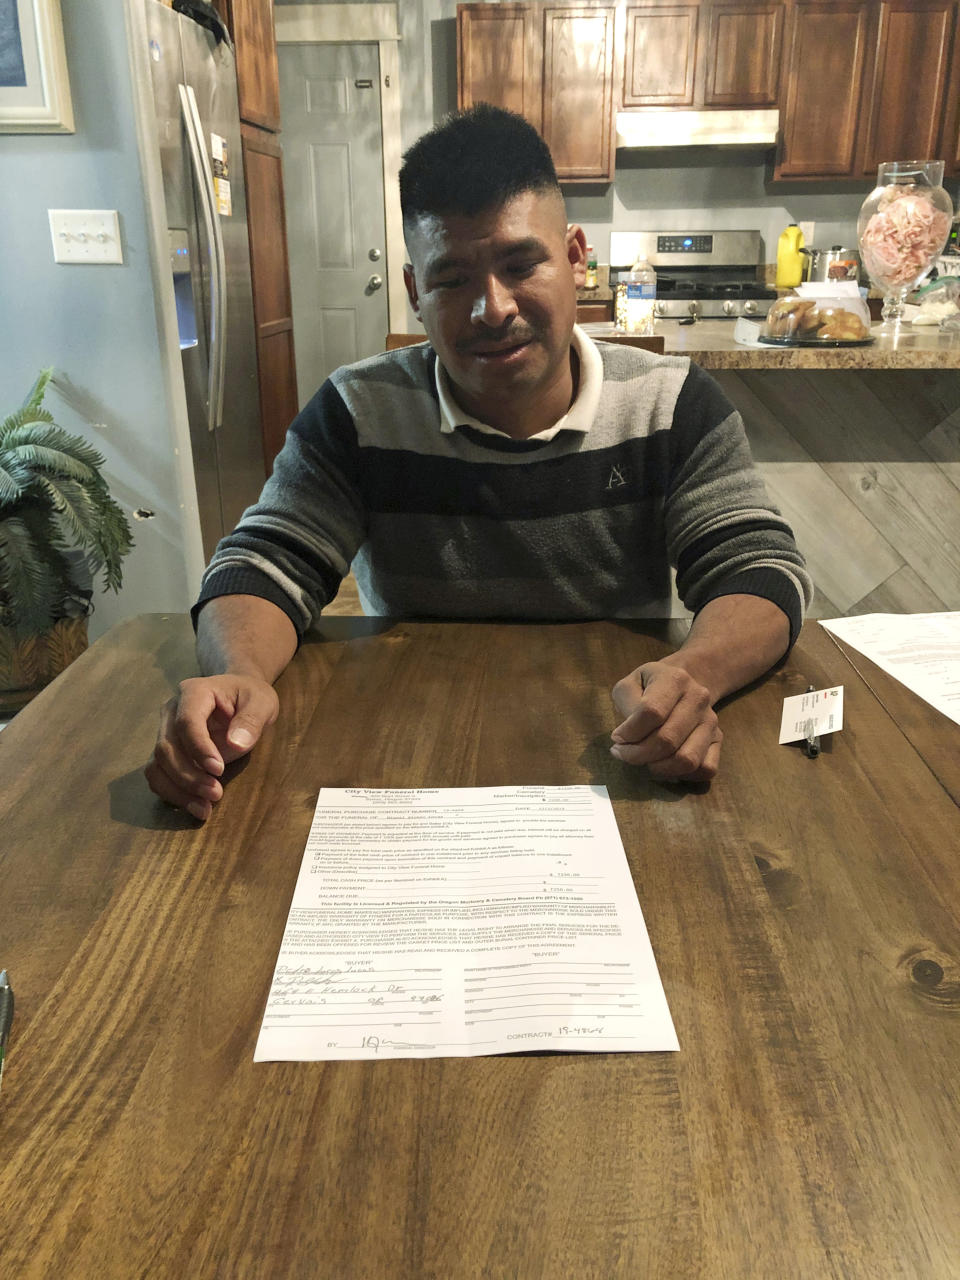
<point>473,161</point>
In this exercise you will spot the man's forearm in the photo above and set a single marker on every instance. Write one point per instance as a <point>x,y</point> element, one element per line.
<point>244,635</point>
<point>733,640</point>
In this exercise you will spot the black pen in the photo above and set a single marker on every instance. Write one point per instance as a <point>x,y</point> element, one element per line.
<point>6,1016</point>
<point>811,746</point>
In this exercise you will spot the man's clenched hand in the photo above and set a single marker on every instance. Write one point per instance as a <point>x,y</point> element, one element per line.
<point>669,724</point>
<point>212,721</point>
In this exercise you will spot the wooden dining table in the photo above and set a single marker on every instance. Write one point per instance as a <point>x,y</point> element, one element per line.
<point>804,914</point>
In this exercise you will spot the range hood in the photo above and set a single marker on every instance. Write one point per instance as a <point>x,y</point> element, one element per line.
<point>741,128</point>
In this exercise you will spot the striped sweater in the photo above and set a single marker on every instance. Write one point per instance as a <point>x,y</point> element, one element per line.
<point>468,524</point>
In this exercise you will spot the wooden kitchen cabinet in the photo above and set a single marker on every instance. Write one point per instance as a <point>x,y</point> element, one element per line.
<point>949,150</point>
<point>269,270</point>
<point>905,96</point>
<point>703,53</point>
<point>867,81</point>
<point>660,58</point>
<point>250,23</point>
<point>578,90</point>
<point>255,44</point>
<point>823,84</point>
<point>500,58</point>
<point>742,53</point>
<point>556,65</point>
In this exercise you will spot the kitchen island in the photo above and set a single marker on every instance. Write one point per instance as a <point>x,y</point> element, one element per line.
<point>860,449</point>
<point>711,344</point>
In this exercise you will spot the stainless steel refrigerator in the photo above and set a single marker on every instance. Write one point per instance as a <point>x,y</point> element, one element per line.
<point>198,124</point>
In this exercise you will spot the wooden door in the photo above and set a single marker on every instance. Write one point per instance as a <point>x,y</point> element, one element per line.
<point>258,84</point>
<point>500,57</point>
<point>271,287</point>
<point>660,54</point>
<point>578,90</point>
<point>904,105</point>
<point>823,80</point>
<point>742,50</point>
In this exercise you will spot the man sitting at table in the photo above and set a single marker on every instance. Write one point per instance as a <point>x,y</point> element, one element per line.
<point>512,468</point>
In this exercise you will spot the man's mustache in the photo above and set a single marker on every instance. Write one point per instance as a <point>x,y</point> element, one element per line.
<point>512,336</point>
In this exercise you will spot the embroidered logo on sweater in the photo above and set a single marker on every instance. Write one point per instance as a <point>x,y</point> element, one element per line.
<point>617,478</point>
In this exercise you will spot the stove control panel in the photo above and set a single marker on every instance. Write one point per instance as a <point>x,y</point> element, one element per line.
<point>687,249</point>
<point>685,244</point>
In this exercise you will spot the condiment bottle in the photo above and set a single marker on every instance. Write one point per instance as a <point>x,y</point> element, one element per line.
<point>789,259</point>
<point>591,280</point>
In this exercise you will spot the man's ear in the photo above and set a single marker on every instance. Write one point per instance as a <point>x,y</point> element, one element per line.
<point>577,253</point>
<point>410,280</point>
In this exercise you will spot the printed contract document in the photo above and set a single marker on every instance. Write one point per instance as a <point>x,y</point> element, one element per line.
<point>463,921</point>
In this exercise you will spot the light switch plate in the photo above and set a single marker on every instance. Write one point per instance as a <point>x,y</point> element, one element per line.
<point>808,230</point>
<point>85,235</point>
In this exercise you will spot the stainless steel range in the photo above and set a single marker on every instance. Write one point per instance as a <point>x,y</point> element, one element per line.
<point>708,274</point>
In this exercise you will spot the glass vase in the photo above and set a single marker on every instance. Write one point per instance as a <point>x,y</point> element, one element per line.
<point>903,226</point>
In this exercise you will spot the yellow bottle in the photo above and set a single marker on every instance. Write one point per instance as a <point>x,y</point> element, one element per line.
<point>789,259</point>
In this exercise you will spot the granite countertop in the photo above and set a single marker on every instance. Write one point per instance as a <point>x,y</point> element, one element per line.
<point>710,343</point>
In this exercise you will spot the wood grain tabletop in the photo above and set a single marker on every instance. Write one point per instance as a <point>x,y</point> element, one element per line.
<point>804,915</point>
<point>933,734</point>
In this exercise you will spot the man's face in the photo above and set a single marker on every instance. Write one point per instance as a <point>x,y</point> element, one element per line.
<point>496,293</point>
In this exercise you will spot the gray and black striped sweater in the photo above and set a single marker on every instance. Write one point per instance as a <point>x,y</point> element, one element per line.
<point>473,525</point>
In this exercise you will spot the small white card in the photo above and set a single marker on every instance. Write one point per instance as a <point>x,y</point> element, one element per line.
<point>820,711</point>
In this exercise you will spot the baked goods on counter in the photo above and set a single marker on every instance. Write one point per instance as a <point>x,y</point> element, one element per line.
<point>810,320</point>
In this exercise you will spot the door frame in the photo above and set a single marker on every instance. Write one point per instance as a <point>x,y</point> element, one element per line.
<point>365,24</point>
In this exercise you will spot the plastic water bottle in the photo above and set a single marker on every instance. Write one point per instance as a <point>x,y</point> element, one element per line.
<point>641,296</point>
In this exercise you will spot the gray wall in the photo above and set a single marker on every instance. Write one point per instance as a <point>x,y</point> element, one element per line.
<point>708,189</point>
<point>96,325</point>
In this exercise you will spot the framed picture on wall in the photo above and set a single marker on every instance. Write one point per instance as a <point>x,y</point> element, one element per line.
<point>34,88</point>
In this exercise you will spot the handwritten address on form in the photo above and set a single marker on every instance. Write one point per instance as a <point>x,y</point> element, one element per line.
<point>463,921</point>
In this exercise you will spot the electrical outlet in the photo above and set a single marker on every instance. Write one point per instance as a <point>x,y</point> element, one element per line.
<point>85,235</point>
<point>808,231</point>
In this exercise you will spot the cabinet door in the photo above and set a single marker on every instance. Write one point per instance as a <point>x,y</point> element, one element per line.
<point>578,90</point>
<point>823,80</point>
<point>660,56</point>
<point>949,148</point>
<point>904,111</point>
<point>742,48</point>
<point>499,57</point>
<point>270,273</point>
<point>255,43</point>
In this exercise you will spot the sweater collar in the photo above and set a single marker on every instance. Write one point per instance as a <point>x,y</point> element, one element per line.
<point>579,417</point>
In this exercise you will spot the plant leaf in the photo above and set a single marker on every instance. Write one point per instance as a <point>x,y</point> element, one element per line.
<point>35,398</point>
<point>11,486</point>
<point>49,435</point>
<point>52,462</point>
<point>75,507</point>
<point>29,585</point>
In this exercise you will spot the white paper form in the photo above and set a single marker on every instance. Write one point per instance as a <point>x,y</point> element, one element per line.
<point>921,650</point>
<point>463,921</point>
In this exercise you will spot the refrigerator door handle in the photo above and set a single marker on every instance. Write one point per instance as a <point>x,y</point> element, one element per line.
<point>203,176</point>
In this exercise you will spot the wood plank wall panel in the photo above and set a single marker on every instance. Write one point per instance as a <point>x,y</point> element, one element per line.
<point>867,468</point>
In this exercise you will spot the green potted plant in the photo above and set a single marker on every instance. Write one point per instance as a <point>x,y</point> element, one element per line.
<point>59,528</point>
